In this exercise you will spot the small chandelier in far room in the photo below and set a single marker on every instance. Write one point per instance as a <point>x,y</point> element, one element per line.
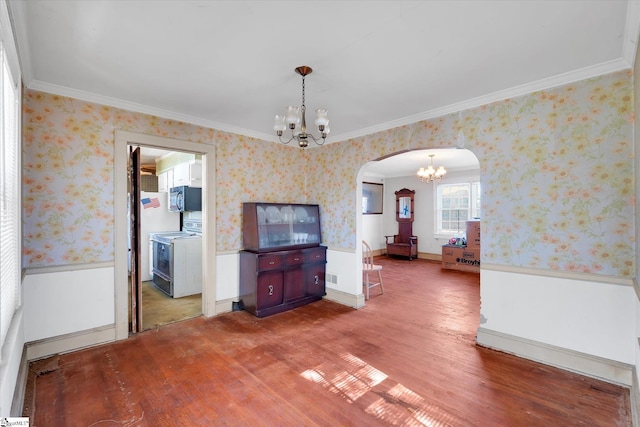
<point>429,174</point>
<point>296,115</point>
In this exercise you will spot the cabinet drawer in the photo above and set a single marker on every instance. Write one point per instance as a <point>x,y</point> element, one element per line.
<point>269,290</point>
<point>316,255</point>
<point>269,262</point>
<point>294,258</point>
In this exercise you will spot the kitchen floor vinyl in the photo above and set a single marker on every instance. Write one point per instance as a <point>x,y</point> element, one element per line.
<point>159,309</point>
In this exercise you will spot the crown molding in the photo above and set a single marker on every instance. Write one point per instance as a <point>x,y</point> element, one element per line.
<point>555,81</point>
<point>143,109</point>
<point>547,83</point>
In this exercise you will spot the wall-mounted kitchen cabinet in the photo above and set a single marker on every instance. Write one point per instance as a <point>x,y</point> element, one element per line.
<point>165,181</point>
<point>189,174</point>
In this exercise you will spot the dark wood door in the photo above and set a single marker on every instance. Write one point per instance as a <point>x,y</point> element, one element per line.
<point>269,289</point>
<point>134,244</point>
<point>315,280</point>
<point>293,284</point>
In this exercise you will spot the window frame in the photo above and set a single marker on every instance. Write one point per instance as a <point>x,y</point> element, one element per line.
<point>473,209</point>
<point>10,179</point>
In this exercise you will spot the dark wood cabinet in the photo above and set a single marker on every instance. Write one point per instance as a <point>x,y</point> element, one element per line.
<point>283,265</point>
<point>277,281</point>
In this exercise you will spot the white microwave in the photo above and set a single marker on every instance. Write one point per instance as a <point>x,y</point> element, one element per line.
<point>184,199</point>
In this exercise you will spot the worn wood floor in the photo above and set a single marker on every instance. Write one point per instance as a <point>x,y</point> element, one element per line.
<point>407,358</point>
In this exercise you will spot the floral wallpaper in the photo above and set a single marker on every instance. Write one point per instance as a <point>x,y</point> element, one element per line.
<point>68,182</point>
<point>557,176</point>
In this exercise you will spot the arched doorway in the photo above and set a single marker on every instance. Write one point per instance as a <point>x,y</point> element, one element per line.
<point>398,171</point>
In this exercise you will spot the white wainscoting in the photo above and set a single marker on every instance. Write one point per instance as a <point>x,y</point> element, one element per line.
<point>227,276</point>
<point>582,323</point>
<point>63,302</point>
<point>342,264</point>
<point>72,307</point>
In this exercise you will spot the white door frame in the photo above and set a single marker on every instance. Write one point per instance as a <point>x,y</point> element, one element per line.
<point>122,140</point>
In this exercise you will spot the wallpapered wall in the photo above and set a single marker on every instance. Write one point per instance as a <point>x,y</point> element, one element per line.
<point>557,176</point>
<point>68,182</point>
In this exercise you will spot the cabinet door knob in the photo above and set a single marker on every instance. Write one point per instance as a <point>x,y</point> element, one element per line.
<point>271,289</point>
<point>317,279</point>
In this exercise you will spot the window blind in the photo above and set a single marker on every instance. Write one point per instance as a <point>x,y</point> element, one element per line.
<point>10,199</point>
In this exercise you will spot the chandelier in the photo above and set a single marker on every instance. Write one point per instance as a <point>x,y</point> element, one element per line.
<point>429,174</point>
<point>296,116</point>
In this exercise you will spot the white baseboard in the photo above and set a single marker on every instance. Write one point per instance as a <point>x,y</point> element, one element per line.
<point>570,360</point>
<point>21,385</point>
<point>70,342</point>
<point>355,301</point>
<point>224,306</point>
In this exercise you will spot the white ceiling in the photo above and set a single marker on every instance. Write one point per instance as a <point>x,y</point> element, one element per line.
<point>377,64</point>
<point>405,164</point>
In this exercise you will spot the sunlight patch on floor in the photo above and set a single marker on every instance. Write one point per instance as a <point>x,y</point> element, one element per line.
<point>392,403</point>
<point>350,384</point>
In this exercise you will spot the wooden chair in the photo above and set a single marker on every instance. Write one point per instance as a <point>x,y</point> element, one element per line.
<point>403,243</point>
<point>368,267</point>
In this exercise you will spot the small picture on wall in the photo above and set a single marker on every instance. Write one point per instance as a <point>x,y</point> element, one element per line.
<point>372,198</point>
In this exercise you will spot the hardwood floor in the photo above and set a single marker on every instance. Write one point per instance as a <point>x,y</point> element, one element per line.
<point>407,358</point>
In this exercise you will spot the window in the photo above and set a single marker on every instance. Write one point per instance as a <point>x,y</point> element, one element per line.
<point>455,204</point>
<point>10,198</point>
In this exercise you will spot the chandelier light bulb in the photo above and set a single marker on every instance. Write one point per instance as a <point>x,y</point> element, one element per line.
<point>321,117</point>
<point>279,124</point>
<point>293,118</point>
